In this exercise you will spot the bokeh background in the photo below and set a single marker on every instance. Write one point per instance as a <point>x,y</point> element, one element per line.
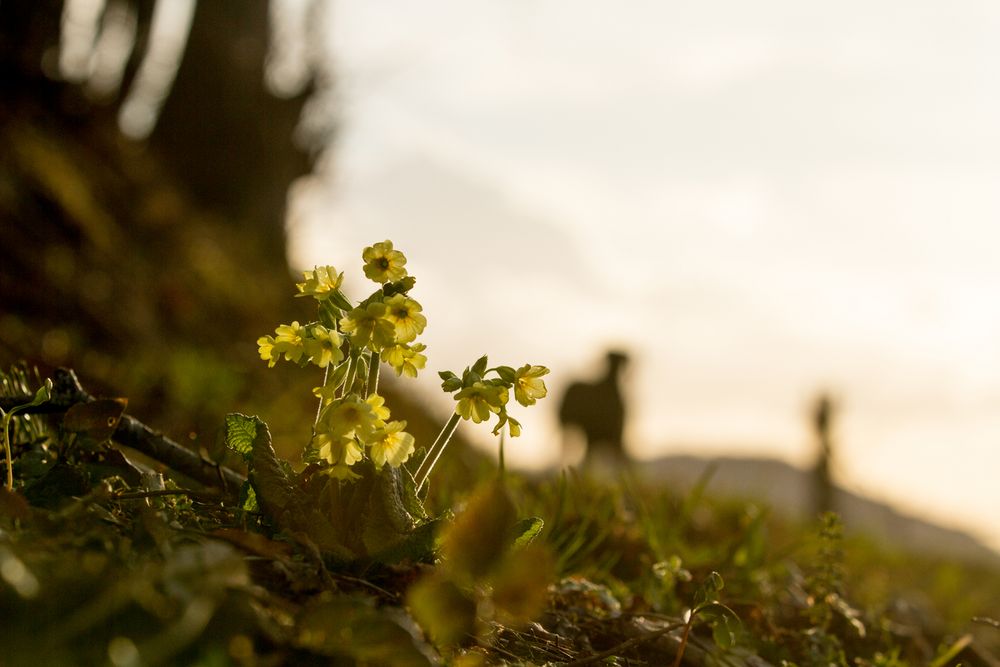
<point>759,202</point>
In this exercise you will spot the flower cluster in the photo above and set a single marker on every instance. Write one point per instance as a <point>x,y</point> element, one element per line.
<point>349,426</point>
<point>386,324</point>
<point>313,343</point>
<point>480,397</point>
<point>349,341</point>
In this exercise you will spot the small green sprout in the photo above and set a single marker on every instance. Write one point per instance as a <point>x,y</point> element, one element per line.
<point>724,622</point>
<point>42,395</point>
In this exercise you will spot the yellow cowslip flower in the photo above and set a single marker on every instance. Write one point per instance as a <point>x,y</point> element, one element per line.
<point>405,359</point>
<point>479,400</point>
<point>378,406</point>
<point>513,426</point>
<point>528,384</point>
<point>290,341</point>
<point>348,416</point>
<point>338,449</point>
<point>323,346</point>
<point>320,283</point>
<point>327,392</point>
<point>265,346</point>
<point>369,326</point>
<point>382,263</point>
<point>391,444</point>
<point>405,315</point>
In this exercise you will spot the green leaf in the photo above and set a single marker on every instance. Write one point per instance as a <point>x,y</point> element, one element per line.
<point>329,314</point>
<point>338,374</point>
<point>401,286</point>
<point>521,585</point>
<point>708,591</point>
<point>714,611</point>
<point>475,543</point>
<point>506,373</point>
<point>444,610</point>
<point>411,502</point>
<point>724,622</point>
<point>353,627</point>
<point>240,432</point>
<point>248,498</point>
<point>526,530</point>
<point>419,546</point>
<point>451,382</point>
<point>338,299</point>
<point>43,394</point>
<point>724,632</point>
<point>470,377</point>
<point>479,368</point>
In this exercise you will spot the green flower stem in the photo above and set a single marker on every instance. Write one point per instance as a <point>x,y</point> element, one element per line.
<point>343,387</point>
<point>43,394</point>
<point>352,373</point>
<point>434,453</point>
<point>8,454</point>
<point>373,364</point>
<point>319,408</point>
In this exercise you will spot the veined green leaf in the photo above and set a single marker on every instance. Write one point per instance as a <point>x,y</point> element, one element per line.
<point>240,432</point>
<point>526,530</point>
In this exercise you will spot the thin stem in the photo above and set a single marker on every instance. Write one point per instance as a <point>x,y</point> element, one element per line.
<point>372,385</point>
<point>138,495</point>
<point>319,408</point>
<point>434,453</point>
<point>10,455</point>
<point>503,468</point>
<point>352,372</point>
<point>684,639</point>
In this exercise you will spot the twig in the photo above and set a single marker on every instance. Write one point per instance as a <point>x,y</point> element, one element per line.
<point>361,582</point>
<point>985,620</point>
<point>131,432</point>
<point>138,495</point>
<point>626,645</point>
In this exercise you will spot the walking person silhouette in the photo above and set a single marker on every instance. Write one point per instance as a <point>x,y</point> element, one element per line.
<point>823,488</point>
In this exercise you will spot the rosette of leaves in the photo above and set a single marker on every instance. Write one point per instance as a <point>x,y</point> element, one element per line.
<point>375,517</point>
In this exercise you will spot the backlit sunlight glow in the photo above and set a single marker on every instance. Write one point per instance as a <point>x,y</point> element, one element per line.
<point>759,203</point>
<point>80,22</point>
<point>112,49</point>
<point>167,39</point>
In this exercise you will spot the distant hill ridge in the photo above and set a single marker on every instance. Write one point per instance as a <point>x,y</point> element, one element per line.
<point>787,489</point>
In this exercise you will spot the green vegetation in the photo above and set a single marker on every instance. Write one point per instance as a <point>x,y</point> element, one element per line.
<point>366,552</point>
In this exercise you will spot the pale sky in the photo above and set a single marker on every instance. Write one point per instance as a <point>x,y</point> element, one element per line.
<point>758,200</point>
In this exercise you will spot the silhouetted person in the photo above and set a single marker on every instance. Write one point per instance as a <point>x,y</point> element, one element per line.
<point>598,410</point>
<point>822,481</point>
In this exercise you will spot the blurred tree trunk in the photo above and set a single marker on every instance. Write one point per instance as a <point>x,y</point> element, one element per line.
<point>152,266</point>
<point>222,133</point>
